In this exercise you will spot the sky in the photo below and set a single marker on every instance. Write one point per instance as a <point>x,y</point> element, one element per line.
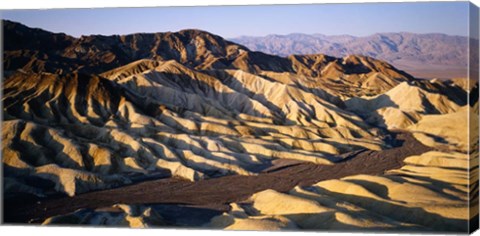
<point>233,21</point>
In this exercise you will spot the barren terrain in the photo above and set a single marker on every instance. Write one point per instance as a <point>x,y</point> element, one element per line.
<point>189,129</point>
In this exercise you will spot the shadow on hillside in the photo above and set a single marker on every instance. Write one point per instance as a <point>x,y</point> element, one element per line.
<point>413,215</point>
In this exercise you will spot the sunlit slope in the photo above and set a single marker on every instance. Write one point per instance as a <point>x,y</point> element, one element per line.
<point>428,193</point>
<point>156,118</point>
<point>406,103</point>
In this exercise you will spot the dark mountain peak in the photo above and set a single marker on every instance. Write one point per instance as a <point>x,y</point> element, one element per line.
<point>39,50</point>
<point>195,33</point>
<point>19,36</point>
<point>16,28</point>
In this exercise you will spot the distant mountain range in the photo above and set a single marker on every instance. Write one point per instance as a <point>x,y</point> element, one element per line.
<point>423,55</point>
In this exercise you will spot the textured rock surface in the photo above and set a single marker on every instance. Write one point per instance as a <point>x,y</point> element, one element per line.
<point>188,129</point>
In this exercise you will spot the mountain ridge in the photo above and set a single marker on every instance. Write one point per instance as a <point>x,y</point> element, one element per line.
<point>402,49</point>
<point>438,61</point>
<point>195,49</point>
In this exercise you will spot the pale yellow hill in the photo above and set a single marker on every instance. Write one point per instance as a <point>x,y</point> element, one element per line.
<point>428,193</point>
<point>406,104</point>
<point>119,215</point>
<point>406,97</point>
<point>447,130</point>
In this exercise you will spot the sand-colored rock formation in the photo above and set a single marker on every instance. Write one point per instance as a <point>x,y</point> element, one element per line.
<point>406,104</point>
<point>447,130</point>
<point>154,117</point>
<point>428,193</point>
<point>122,215</point>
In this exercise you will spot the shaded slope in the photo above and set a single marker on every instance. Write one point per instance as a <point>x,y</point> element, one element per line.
<point>97,53</point>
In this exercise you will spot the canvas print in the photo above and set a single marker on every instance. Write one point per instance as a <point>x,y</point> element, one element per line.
<point>318,117</point>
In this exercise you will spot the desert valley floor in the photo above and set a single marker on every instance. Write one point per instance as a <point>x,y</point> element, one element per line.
<point>188,129</point>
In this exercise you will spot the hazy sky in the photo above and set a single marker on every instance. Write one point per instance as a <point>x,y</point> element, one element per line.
<point>330,19</point>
